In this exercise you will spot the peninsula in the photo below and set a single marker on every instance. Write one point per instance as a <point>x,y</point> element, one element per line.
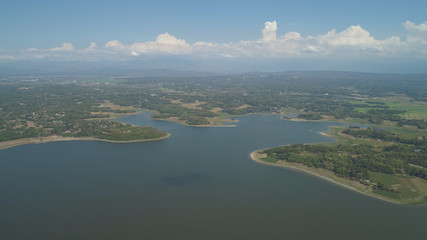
<point>371,161</point>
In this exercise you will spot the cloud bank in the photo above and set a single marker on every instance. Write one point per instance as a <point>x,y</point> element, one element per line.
<point>164,44</point>
<point>354,41</point>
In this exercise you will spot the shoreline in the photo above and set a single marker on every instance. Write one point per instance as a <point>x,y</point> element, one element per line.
<point>56,138</point>
<point>326,118</point>
<point>256,156</point>
<point>188,125</point>
<point>181,122</point>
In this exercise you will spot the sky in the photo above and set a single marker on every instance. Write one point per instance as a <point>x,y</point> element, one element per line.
<point>376,36</point>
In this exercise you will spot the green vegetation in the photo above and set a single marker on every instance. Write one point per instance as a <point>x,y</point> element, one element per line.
<point>44,105</point>
<point>190,116</point>
<point>114,131</point>
<point>386,163</point>
<point>310,116</point>
<point>43,110</point>
<point>389,162</point>
<point>407,107</point>
<point>412,110</point>
<point>400,110</point>
<point>80,106</point>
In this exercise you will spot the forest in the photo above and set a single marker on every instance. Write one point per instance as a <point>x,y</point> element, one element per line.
<point>388,153</point>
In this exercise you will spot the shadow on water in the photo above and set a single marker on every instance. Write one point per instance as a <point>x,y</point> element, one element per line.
<point>184,179</point>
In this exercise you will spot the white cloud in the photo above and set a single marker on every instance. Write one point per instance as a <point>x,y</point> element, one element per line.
<point>65,47</point>
<point>290,36</point>
<point>135,54</point>
<point>114,44</point>
<point>205,44</point>
<point>269,31</point>
<point>413,28</point>
<point>350,42</point>
<point>311,49</point>
<point>92,47</point>
<point>417,35</point>
<point>167,39</point>
<point>164,44</point>
<point>352,36</point>
<point>354,40</point>
<point>33,49</point>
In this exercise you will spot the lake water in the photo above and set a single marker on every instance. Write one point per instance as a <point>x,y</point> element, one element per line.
<point>198,184</point>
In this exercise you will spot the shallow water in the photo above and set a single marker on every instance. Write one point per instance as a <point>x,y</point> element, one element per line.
<point>198,184</point>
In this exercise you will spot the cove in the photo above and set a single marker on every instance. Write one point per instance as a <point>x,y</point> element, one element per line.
<point>200,183</point>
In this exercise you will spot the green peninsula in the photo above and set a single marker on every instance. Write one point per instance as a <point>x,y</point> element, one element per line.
<point>377,162</point>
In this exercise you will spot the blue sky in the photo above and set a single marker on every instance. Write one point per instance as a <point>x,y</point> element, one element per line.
<point>214,30</point>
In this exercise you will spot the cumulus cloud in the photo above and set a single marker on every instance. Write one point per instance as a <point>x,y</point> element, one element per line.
<point>352,36</point>
<point>65,47</point>
<point>417,34</point>
<point>167,39</point>
<point>269,31</point>
<point>353,40</point>
<point>356,39</point>
<point>205,44</point>
<point>114,44</point>
<point>92,47</point>
<point>164,44</point>
<point>417,29</point>
<point>350,42</point>
<point>291,36</point>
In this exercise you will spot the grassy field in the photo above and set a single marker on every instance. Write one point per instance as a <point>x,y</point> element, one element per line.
<point>362,109</point>
<point>413,110</point>
<point>407,189</point>
<point>405,131</point>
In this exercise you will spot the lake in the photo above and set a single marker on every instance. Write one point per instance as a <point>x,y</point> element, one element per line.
<point>198,184</point>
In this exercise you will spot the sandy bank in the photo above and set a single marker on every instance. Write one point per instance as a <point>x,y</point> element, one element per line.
<point>17,142</point>
<point>320,173</point>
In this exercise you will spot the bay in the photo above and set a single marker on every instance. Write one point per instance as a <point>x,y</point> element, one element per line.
<point>198,184</point>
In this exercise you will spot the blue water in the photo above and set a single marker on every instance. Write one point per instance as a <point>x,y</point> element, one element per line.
<point>198,184</point>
